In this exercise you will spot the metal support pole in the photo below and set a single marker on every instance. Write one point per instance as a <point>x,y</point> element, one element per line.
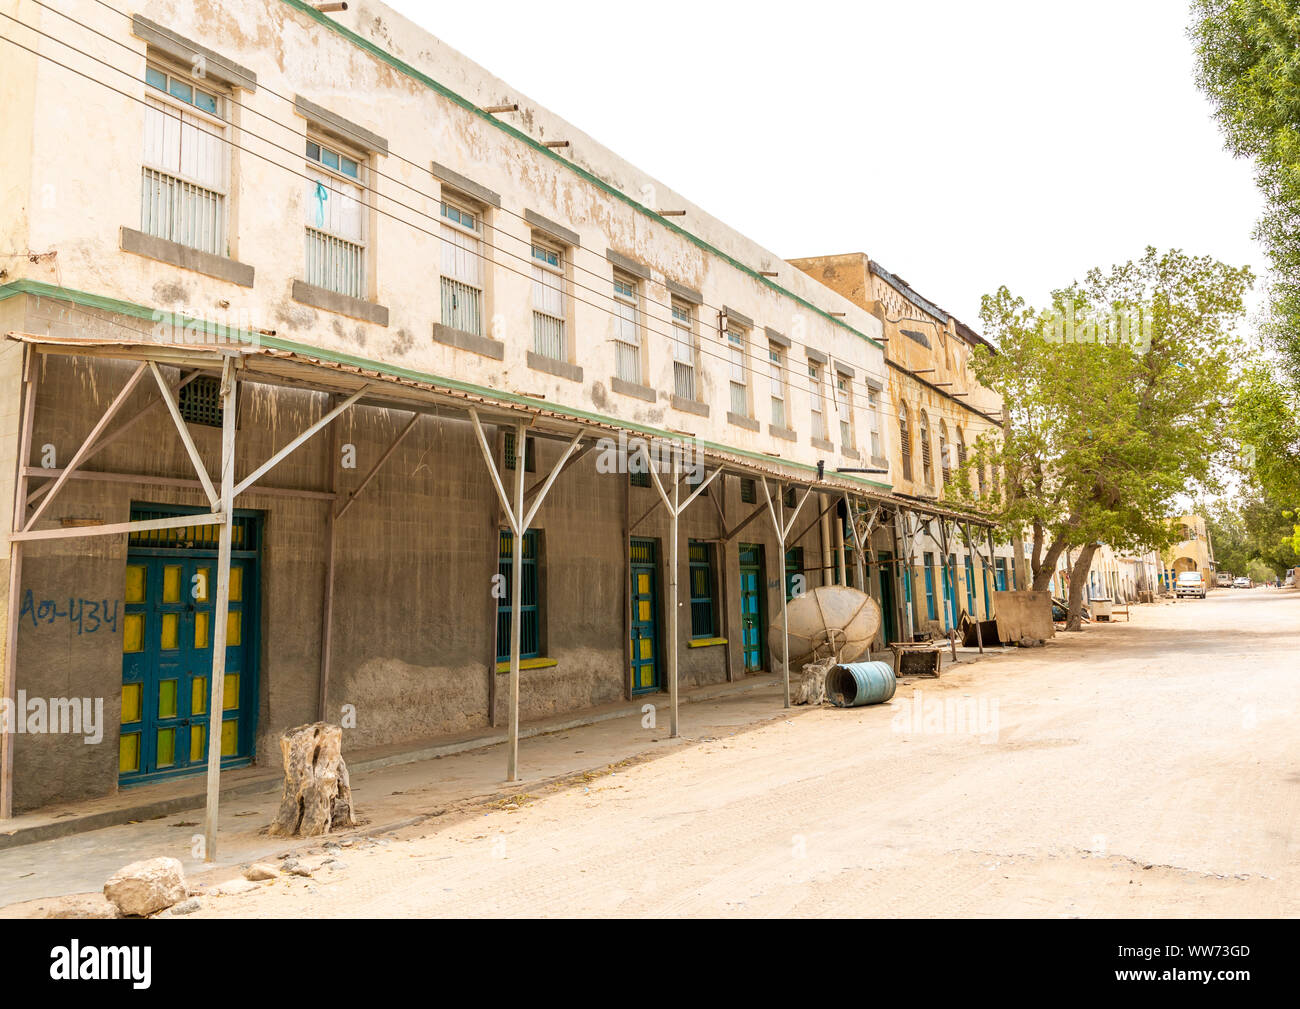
<point>221,613</point>
<point>785,617</point>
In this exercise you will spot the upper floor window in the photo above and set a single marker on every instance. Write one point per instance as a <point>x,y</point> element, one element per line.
<point>776,375</point>
<point>336,219</point>
<point>844,398</point>
<point>186,163</point>
<point>627,328</point>
<point>905,442</point>
<point>738,373</point>
<point>462,268</point>
<point>683,349</point>
<point>927,468</point>
<point>817,400</point>
<point>548,301</point>
<point>873,410</point>
<point>945,466</point>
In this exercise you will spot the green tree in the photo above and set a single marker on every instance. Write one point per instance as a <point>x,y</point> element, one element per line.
<point>1115,401</point>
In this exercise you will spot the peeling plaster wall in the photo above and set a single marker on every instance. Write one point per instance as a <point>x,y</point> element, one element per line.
<point>98,185</point>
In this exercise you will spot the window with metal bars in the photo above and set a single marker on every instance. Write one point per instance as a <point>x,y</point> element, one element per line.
<point>243,531</point>
<point>683,349</point>
<point>639,478</point>
<point>200,401</point>
<point>873,408</point>
<point>530,644</point>
<point>818,403</point>
<point>462,269</point>
<point>748,491</point>
<point>508,452</point>
<point>945,468</point>
<point>548,301</point>
<point>844,394</point>
<point>704,618</point>
<point>793,568</point>
<point>776,375</point>
<point>335,220</point>
<point>627,329</point>
<point>186,162</point>
<point>739,384</point>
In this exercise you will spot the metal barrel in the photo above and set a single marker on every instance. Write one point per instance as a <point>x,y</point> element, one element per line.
<point>853,684</point>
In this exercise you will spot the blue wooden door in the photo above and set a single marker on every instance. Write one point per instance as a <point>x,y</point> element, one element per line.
<point>950,591</point>
<point>887,596</point>
<point>170,599</point>
<point>645,613</point>
<point>751,605</point>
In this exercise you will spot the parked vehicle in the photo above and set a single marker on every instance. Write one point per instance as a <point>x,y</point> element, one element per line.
<point>1191,584</point>
<point>1223,580</point>
<point>1242,582</point>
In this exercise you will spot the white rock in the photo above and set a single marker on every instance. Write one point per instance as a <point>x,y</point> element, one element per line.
<point>259,871</point>
<point>147,887</point>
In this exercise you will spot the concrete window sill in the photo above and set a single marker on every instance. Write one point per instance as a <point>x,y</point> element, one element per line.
<point>690,406</point>
<point>164,251</point>
<point>504,667</point>
<point>633,389</point>
<point>471,342</point>
<point>343,304</point>
<point>747,423</point>
<point>560,369</point>
<point>705,642</point>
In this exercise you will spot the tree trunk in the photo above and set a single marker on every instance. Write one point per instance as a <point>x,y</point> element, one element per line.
<point>317,795</point>
<point>1043,572</point>
<point>1078,575</point>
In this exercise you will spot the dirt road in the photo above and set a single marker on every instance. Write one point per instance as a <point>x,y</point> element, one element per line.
<point>1150,768</point>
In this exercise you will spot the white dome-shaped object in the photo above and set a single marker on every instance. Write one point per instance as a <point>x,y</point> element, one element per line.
<point>831,621</point>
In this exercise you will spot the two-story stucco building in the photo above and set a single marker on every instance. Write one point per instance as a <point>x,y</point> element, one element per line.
<point>308,320</point>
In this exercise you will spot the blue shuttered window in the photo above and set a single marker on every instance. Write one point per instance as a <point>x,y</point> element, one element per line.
<point>530,645</point>
<point>704,623</point>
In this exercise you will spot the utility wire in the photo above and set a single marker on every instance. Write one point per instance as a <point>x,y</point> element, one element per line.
<point>835,395</point>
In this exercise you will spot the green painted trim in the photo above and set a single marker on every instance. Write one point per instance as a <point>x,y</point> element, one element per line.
<point>705,642</point>
<point>504,667</point>
<point>40,289</point>
<point>446,92</point>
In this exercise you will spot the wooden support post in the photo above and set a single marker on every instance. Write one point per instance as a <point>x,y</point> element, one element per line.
<point>220,615</point>
<point>783,528</point>
<point>30,372</point>
<point>516,603</point>
<point>327,597</point>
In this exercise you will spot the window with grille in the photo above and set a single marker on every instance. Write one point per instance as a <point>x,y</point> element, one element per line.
<point>335,220</point>
<point>748,491</point>
<point>873,409</point>
<point>462,269</point>
<point>944,467</point>
<point>905,442</point>
<point>704,623</point>
<point>776,375</point>
<point>739,388</point>
<point>627,329</point>
<point>639,478</point>
<point>683,350</point>
<point>508,452</point>
<point>186,162</point>
<point>548,301</point>
<point>200,401</point>
<point>530,644</point>
<point>818,402</point>
<point>791,497</point>
<point>844,396</point>
<point>793,568</point>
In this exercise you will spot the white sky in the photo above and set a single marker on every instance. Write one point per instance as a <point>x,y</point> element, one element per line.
<point>963,145</point>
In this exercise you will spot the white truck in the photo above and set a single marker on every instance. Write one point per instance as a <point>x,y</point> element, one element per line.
<point>1190,583</point>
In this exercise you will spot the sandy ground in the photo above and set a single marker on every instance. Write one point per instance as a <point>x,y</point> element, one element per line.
<point>1142,769</point>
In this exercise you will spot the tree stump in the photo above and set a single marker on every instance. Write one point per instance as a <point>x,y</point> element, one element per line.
<point>317,795</point>
<point>813,688</point>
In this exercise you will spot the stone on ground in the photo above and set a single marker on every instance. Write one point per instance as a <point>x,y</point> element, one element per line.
<point>147,887</point>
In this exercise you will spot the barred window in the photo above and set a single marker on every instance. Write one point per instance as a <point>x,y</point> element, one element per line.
<point>462,269</point>
<point>335,220</point>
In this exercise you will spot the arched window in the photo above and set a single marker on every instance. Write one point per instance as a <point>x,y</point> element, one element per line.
<point>945,464</point>
<point>927,468</point>
<point>961,448</point>
<point>904,441</point>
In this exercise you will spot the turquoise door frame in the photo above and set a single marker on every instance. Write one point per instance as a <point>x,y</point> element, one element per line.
<point>751,605</point>
<point>167,650</point>
<point>644,645</point>
<point>931,612</point>
<point>886,570</point>
<point>949,593</point>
